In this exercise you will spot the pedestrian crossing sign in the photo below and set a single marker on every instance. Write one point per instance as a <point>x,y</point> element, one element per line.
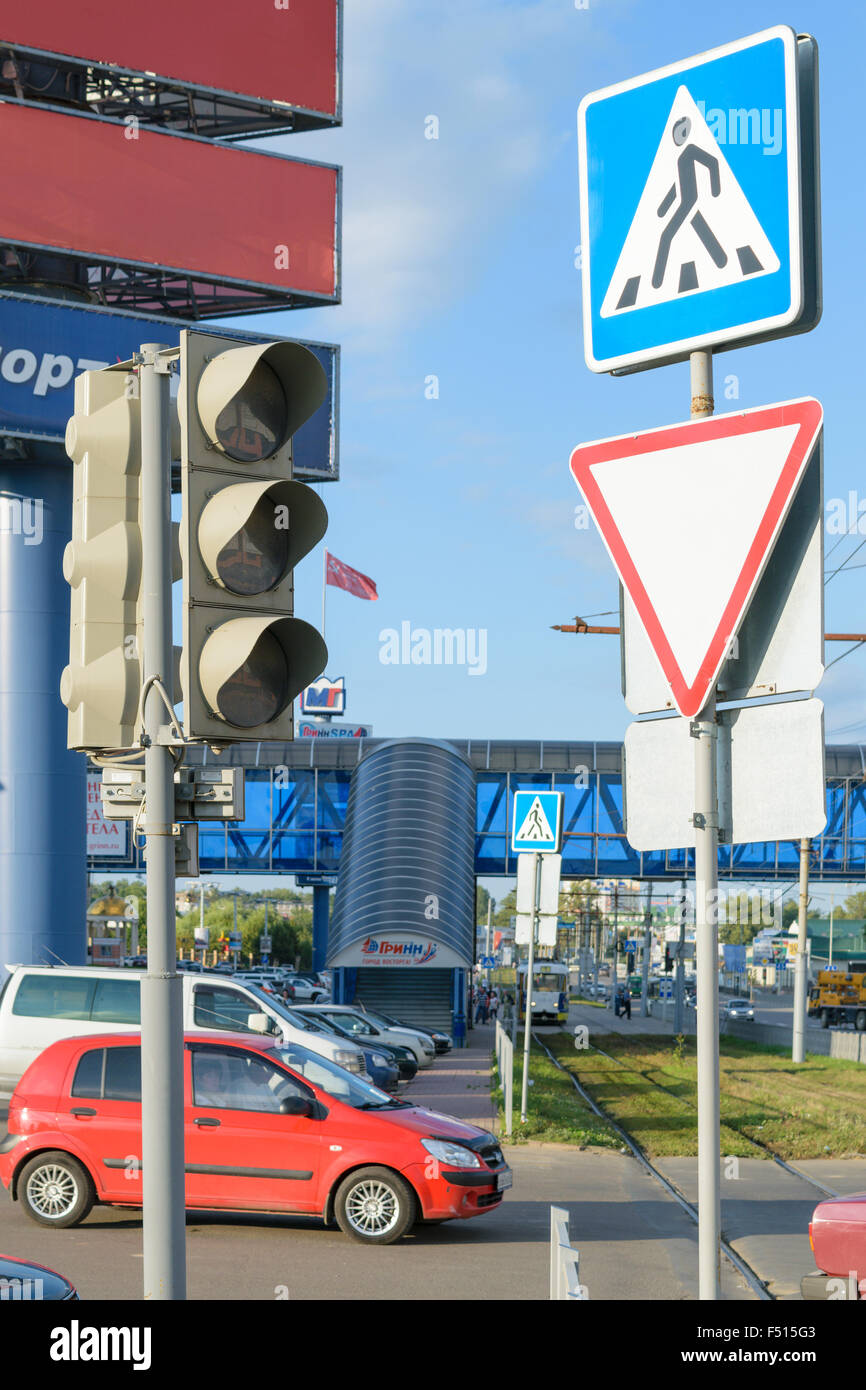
<point>537,822</point>
<point>698,204</point>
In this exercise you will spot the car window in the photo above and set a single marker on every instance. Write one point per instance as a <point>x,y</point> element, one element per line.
<point>88,1074</point>
<point>215,1006</point>
<point>229,1079</point>
<point>117,1001</point>
<point>54,996</point>
<point>109,1073</point>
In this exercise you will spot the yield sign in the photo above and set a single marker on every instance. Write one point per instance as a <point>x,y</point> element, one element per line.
<point>689,514</point>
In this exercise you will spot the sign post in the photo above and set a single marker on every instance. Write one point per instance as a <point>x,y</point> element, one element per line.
<point>536,832</point>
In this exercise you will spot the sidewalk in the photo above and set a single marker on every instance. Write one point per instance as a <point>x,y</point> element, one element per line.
<point>459,1083</point>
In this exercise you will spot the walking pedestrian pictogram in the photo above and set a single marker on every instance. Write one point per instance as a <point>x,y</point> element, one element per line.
<point>693,229</point>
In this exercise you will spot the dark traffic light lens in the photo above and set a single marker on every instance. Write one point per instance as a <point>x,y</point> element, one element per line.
<point>258,690</point>
<point>253,424</point>
<point>257,556</point>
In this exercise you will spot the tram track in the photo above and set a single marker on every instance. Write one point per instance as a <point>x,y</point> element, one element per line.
<point>754,1281</point>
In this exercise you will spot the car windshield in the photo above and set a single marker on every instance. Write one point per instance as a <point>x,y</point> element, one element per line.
<point>354,1023</point>
<point>340,1084</point>
<point>739,1004</point>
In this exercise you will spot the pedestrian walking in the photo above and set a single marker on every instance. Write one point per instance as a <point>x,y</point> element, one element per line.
<point>493,1004</point>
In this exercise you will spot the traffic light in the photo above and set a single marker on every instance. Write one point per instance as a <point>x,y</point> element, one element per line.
<point>246,524</point>
<point>669,960</point>
<point>102,563</point>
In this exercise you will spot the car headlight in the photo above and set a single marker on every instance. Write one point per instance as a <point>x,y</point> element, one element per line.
<point>378,1060</point>
<point>454,1154</point>
<point>352,1061</point>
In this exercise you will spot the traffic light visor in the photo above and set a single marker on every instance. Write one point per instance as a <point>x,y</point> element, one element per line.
<point>251,400</point>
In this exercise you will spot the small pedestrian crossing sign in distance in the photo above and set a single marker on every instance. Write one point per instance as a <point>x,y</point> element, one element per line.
<point>691,205</point>
<point>536,822</point>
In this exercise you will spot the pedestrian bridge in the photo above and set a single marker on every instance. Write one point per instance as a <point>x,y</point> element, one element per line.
<point>297,793</point>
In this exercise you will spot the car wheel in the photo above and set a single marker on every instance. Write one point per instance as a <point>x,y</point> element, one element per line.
<point>825,1018</point>
<point>860,1020</point>
<point>55,1190</point>
<point>374,1205</point>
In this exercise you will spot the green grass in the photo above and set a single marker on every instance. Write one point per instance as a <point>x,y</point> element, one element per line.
<point>555,1112</point>
<point>817,1110</point>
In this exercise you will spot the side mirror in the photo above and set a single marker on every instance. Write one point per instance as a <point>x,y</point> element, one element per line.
<point>258,1023</point>
<point>297,1105</point>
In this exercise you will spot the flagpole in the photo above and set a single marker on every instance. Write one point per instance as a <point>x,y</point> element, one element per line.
<point>324,589</point>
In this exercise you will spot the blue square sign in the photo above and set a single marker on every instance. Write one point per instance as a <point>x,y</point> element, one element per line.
<point>537,823</point>
<point>692,214</point>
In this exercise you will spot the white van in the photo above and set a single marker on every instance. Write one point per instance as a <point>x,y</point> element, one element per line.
<point>40,1004</point>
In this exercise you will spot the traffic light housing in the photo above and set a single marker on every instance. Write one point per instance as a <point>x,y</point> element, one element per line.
<point>102,563</point>
<point>245,525</point>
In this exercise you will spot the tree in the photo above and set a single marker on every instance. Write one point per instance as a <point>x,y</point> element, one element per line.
<point>855,906</point>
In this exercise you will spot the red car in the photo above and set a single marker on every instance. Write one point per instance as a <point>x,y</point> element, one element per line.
<point>269,1126</point>
<point>837,1235</point>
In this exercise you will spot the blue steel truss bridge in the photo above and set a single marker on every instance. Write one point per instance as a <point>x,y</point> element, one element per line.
<point>297,794</point>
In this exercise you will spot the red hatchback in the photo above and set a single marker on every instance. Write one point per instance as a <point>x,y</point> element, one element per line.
<point>269,1126</point>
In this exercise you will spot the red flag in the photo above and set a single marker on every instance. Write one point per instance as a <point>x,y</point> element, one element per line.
<point>344,577</point>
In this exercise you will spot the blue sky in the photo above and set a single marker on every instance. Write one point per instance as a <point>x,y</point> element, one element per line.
<point>458,262</point>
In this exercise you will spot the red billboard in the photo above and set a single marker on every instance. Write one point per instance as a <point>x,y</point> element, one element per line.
<point>278,51</point>
<point>167,205</point>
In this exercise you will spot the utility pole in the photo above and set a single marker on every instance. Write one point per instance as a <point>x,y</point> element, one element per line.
<point>647,950</point>
<point>798,1047</point>
<point>615,945</point>
<point>680,977</point>
<point>162,1153</point>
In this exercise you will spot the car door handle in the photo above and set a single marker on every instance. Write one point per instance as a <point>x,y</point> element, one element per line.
<point>206,1120</point>
<point>83,1112</point>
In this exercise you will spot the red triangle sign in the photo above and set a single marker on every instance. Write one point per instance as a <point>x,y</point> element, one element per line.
<point>690,514</point>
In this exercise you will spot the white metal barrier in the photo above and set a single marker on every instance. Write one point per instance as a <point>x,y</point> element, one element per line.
<point>564,1261</point>
<point>505,1067</point>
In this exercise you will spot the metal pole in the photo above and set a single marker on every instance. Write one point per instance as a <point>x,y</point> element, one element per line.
<point>647,950</point>
<point>706,822</point>
<point>201,924</point>
<point>680,980</point>
<point>524,1090</point>
<point>832,903</point>
<point>798,1050</point>
<point>161,989</point>
<point>487,951</point>
<point>615,942</point>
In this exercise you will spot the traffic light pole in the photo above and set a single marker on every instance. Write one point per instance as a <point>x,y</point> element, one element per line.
<point>161,989</point>
<point>706,822</point>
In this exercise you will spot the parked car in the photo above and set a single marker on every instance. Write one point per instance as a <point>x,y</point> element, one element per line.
<point>41,1003</point>
<point>837,1235</point>
<point>24,1281</point>
<point>441,1041</point>
<point>269,1126</point>
<point>306,991</point>
<point>423,1035</point>
<point>361,1025</point>
<point>739,1008</point>
<point>402,1057</point>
